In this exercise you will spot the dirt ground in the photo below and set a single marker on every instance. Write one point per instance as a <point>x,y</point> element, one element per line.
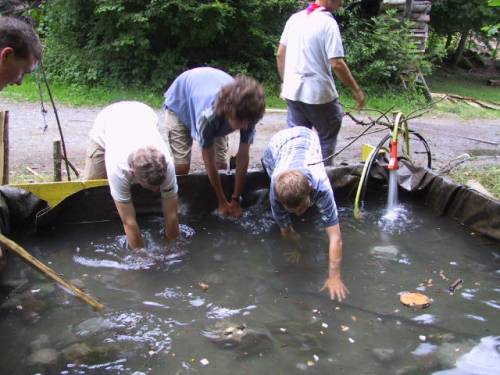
<point>31,147</point>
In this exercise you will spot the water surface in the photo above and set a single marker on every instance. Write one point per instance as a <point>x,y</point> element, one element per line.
<point>158,320</point>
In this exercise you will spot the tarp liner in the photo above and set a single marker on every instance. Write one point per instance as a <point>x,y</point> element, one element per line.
<point>467,206</point>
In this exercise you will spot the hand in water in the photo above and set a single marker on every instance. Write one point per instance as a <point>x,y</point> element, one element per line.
<point>336,288</point>
<point>235,209</point>
<point>293,256</point>
<point>224,209</point>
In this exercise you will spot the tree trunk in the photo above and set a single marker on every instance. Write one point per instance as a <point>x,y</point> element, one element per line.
<point>460,49</point>
<point>449,38</point>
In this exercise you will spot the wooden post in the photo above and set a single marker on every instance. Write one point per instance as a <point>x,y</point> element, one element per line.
<point>4,147</point>
<point>57,155</point>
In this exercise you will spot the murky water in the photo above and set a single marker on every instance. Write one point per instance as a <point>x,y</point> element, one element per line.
<point>260,314</point>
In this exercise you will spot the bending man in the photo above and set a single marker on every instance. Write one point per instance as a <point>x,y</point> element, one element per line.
<point>126,147</point>
<point>296,185</point>
<point>206,104</point>
<point>309,48</point>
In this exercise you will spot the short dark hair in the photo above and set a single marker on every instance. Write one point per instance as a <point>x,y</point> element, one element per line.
<point>292,188</point>
<point>149,165</point>
<point>20,36</point>
<point>243,98</point>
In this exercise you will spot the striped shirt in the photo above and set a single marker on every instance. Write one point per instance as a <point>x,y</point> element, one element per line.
<point>296,148</point>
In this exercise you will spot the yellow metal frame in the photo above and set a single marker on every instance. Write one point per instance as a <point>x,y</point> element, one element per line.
<point>55,192</point>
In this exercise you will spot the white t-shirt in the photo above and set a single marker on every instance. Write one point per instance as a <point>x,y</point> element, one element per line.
<point>122,129</point>
<point>310,41</point>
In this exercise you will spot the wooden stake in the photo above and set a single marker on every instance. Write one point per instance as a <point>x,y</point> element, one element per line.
<point>49,272</point>
<point>57,159</point>
<point>4,147</point>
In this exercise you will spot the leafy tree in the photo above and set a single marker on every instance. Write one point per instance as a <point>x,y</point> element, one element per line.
<point>449,17</point>
<point>137,41</point>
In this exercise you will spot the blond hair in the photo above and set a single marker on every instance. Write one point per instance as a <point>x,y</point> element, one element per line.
<point>292,188</point>
<point>149,165</point>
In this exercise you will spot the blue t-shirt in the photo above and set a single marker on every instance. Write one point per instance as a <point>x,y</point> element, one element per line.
<point>296,148</point>
<point>191,97</point>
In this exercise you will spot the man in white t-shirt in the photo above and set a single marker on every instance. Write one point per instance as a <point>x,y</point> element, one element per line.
<point>126,147</point>
<point>310,47</point>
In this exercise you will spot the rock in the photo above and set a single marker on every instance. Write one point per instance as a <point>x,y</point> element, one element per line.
<point>78,283</point>
<point>41,290</point>
<point>245,341</point>
<point>43,357</point>
<point>384,354</point>
<point>385,252</point>
<point>92,326</point>
<point>40,342</point>
<point>77,353</point>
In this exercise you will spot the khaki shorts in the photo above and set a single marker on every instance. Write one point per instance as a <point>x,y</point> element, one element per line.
<point>181,142</point>
<point>95,168</point>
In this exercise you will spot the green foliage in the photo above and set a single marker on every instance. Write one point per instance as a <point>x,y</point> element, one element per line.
<point>436,48</point>
<point>151,42</point>
<point>381,50</point>
<point>451,16</point>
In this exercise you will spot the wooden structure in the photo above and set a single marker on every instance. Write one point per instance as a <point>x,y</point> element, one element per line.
<point>416,11</point>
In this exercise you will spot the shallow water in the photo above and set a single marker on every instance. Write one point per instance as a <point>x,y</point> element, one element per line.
<point>158,320</point>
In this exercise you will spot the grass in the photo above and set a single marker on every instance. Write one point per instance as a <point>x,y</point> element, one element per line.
<point>488,176</point>
<point>376,98</point>
<point>464,84</point>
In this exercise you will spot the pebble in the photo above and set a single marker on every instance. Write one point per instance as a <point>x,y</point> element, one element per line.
<point>204,362</point>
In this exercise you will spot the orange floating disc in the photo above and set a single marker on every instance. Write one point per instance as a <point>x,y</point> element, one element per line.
<point>416,300</point>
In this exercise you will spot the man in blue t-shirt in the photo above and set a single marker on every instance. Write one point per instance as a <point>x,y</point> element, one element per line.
<point>299,181</point>
<point>206,104</point>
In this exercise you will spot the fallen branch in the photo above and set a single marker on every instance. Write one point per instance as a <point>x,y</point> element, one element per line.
<point>48,272</point>
<point>453,163</point>
<point>30,170</point>
<point>468,100</point>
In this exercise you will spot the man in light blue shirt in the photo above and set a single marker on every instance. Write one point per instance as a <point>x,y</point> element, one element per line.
<point>206,104</point>
<point>299,181</point>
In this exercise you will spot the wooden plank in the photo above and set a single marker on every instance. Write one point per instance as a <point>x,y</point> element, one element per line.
<point>57,156</point>
<point>55,192</point>
<point>4,147</point>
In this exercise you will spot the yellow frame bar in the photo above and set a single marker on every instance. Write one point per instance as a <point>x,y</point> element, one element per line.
<point>55,192</point>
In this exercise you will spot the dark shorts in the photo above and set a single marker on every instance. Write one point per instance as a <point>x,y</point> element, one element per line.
<point>325,118</point>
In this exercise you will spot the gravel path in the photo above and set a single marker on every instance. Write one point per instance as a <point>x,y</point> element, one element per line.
<point>31,147</point>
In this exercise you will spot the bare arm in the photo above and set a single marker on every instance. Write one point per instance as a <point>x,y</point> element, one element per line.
<point>289,233</point>
<point>169,207</point>
<point>129,221</point>
<point>280,60</point>
<point>344,74</point>
<point>209,160</point>
<point>334,283</point>
<point>242,159</point>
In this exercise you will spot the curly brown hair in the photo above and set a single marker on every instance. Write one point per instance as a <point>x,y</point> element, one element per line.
<point>20,36</point>
<point>243,98</point>
<point>149,165</point>
<point>292,188</point>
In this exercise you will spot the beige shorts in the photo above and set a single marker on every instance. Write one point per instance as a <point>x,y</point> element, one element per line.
<point>95,167</point>
<point>181,142</point>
